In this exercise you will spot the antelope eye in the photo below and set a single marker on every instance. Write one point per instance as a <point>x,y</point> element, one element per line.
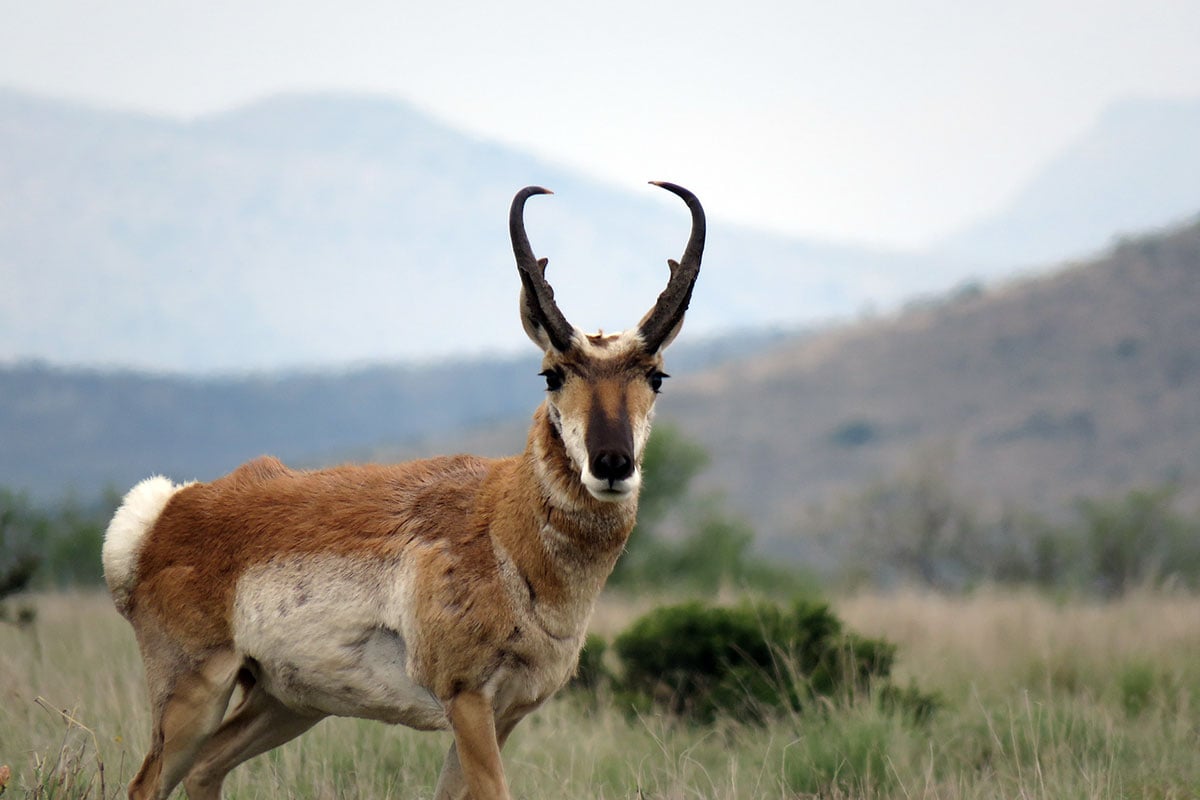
<point>554,379</point>
<point>656,379</point>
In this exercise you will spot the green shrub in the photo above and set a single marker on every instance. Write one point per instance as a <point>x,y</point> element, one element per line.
<point>54,546</point>
<point>1140,539</point>
<point>1136,683</point>
<point>19,526</point>
<point>73,542</point>
<point>713,549</point>
<point>699,661</point>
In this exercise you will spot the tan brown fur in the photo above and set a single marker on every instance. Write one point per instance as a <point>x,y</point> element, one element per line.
<point>447,508</point>
<point>446,515</point>
<point>448,593</point>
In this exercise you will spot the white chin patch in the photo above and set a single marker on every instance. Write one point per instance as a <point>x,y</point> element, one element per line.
<point>572,434</point>
<point>614,491</point>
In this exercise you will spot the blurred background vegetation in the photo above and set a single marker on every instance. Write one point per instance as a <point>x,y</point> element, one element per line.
<point>917,528</point>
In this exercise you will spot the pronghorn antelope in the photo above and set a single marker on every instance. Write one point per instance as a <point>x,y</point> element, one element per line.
<point>449,593</point>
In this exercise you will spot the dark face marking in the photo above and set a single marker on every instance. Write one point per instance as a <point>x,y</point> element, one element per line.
<point>609,437</point>
<point>600,397</point>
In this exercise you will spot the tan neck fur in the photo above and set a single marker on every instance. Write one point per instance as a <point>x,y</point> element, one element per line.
<point>579,537</point>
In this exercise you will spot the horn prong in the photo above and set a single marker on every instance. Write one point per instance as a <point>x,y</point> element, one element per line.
<point>673,302</point>
<point>539,295</point>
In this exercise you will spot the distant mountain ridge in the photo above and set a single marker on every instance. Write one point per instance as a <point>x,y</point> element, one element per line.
<point>1136,168</point>
<point>321,230</point>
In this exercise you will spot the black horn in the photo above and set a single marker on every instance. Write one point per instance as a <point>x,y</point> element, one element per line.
<point>668,311</point>
<point>539,296</point>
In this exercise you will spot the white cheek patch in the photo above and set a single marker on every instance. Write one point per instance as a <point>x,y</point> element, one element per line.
<point>573,434</point>
<point>641,435</point>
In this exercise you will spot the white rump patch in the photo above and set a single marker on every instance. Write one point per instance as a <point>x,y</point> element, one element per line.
<point>123,539</point>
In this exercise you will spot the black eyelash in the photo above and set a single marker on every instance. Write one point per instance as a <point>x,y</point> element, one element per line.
<point>554,379</point>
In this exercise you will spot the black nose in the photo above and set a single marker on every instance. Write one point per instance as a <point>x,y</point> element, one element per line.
<point>612,465</point>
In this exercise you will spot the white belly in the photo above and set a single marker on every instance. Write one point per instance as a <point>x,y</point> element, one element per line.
<point>328,637</point>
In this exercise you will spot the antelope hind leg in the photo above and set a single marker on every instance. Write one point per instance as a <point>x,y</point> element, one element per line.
<point>259,723</point>
<point>191,710</point>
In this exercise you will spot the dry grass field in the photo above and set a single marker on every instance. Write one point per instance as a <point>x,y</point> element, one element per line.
<point>1041,698</point>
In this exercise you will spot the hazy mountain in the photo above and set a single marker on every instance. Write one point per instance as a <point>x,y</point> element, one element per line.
<point>327,229</point>
<point>1137,168</point>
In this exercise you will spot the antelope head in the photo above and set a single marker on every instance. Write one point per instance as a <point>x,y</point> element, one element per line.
<point>601,388</point>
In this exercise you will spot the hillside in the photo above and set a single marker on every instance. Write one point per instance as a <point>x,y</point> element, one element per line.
<point>1083,382</point>
<point>323,230</point>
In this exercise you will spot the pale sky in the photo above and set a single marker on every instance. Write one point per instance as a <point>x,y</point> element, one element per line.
<point>882,122</point>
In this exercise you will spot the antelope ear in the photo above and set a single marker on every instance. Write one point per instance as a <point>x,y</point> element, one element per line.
<point>531,319</point>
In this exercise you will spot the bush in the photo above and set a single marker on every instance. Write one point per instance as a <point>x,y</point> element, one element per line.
<point>19,527</point>
<point>670,463</point>
<point>698,661</point>
<point>1139,539</point>
<point>714,548</point>
<point>57,546</point>
<point>73,542</point>
<point>920,527</point>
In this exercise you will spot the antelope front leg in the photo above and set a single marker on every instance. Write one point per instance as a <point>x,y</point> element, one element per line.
<point>474,759</point>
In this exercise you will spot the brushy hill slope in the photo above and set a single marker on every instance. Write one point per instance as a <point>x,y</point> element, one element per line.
<point>1083,382</point>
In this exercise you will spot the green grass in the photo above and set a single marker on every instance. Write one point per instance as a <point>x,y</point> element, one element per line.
<point>1041,699</point>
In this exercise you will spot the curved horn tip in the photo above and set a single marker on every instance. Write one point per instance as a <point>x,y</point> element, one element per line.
<point>674,188</point>
<point>531,190</point>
